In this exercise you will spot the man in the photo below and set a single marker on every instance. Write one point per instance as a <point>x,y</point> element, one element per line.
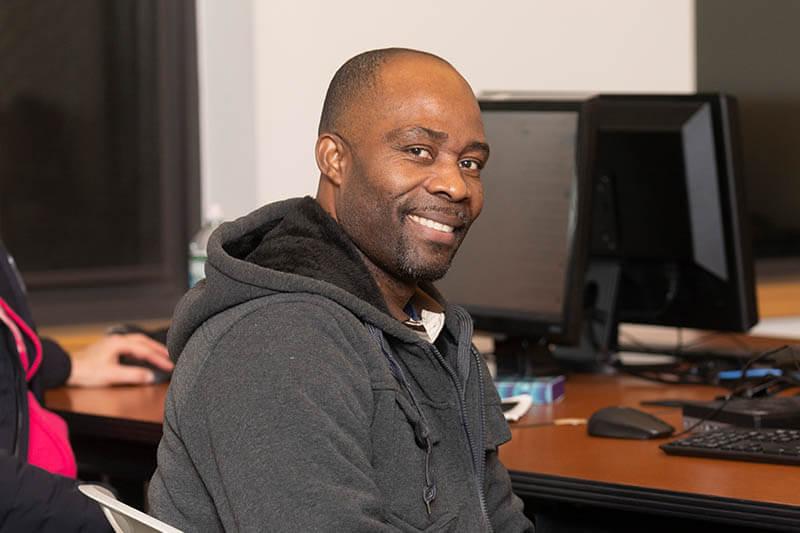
<point>323,382</point>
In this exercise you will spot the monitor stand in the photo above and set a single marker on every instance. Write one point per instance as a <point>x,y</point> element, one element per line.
<point>533,356</point>
<point>521,357</point>
<point>598,337</point>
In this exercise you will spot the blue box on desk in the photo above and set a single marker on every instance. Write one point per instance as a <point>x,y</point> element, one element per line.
<point>543,389</point>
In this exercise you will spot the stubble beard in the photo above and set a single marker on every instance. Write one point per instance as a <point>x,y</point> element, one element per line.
<point>411,267</point>
<point>407,263</point>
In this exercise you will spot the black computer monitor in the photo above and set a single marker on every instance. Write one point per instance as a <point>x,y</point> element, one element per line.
<point>520,270</point>
<point>670,243</point>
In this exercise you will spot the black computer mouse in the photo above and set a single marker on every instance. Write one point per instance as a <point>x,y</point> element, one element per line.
<point>627,423</point>
<point>159,375</point>
<point>158,335</point>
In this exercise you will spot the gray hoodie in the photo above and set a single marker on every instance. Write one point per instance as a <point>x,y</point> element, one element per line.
<point>299,404</point>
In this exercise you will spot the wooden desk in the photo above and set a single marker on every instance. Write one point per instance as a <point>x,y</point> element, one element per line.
<point>564,464</point>
<point>130,414</point>
<point>118,429</point>
<point>115,433</point>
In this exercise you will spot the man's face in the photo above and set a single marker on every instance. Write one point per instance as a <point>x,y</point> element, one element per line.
<point>414,188</point>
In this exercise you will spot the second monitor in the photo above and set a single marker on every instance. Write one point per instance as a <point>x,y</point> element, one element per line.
<point>520,272</point>
<point>669,213</point>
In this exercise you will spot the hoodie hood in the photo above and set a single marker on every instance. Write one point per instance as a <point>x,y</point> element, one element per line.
<point>284,247</point>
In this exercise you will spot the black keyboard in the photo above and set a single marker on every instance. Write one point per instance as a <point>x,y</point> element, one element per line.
<point>780,446</point>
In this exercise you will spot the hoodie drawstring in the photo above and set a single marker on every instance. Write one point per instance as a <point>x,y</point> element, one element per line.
<point>422,433</point>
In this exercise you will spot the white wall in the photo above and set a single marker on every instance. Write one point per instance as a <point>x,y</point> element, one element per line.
<point>577,45</point>
<point>227,85</point>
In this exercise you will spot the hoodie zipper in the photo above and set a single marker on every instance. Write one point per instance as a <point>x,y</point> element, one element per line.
<point>482,396</point>
<point>478,456</point>
<point>421,430</point>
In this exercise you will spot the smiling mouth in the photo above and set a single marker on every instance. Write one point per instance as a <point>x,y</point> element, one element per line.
<point>428,223</point>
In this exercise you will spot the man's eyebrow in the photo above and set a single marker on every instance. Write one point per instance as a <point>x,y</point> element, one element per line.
<point>478,146</point>
<point>434,135</point>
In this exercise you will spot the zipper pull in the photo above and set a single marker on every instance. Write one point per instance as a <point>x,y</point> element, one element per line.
<point>429,491</point>
<point>428,495</point>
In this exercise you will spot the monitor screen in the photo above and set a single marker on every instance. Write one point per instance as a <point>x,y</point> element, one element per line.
<point>518,270</point>
<point>669,209</point>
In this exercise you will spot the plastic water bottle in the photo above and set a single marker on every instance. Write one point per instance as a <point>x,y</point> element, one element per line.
<point>198,244</point>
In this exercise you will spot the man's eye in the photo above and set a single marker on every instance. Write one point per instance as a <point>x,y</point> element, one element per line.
<point>470,164</point>
<point>418,151</point>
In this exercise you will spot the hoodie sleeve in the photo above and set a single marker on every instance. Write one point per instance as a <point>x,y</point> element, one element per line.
<point>56,364</point>
<point>270,436</point>
<point>34,500</point>
<point>504,507</point>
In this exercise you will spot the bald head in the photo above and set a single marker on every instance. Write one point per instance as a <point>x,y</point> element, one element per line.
<point>357,81</point>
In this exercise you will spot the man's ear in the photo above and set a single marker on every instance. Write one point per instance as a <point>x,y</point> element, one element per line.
<point>332,157</point>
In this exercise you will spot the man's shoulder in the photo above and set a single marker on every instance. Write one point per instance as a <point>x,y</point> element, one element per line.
<point>270,319</point>
<point>269,343</point>
<point>266,329</point>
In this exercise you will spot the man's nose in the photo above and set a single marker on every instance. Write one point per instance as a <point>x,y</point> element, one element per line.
<point>449,181</point>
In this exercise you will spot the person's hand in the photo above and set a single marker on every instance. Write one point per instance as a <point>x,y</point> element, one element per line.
<point>98,364</point>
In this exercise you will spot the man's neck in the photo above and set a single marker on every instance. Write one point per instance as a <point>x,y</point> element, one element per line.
<point>395,292</point>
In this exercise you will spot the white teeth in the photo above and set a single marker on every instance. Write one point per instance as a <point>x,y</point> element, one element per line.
<point>428,223</point>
